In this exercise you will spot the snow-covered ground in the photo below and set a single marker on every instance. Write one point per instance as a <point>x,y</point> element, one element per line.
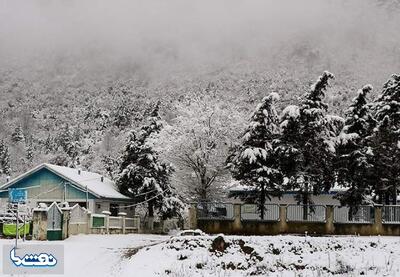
<point>97,255</point>
<point>151,255</point>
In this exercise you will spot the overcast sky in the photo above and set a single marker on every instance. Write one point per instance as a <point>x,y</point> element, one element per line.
<point>165,35</point>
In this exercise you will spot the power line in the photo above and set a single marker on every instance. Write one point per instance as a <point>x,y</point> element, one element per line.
<point>137,204</point>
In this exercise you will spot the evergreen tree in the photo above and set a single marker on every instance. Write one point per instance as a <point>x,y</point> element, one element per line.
<point>254,161</point>
<point>69,142</point>
<point>4,159</point>
<point>18,134</point>
<point>123,114</point>
<point>354,164</point>
<point>143,177</point>
<point>385,141</point>
<point>29,152</point>
<point>306,147</point>
<point>48,144</point>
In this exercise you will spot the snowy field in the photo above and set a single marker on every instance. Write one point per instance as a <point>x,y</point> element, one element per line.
<point>152,255</point>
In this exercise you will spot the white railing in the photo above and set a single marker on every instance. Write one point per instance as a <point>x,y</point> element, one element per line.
<point>301,213</point>
<point>132,223</point>
<point>220,211</point>
<point>356,214</point>
<point>115,222</point>
<point>250,212</point>
<point>391,214</point>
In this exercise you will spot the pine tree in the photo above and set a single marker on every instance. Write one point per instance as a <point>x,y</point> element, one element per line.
<point>354,164</point>
<point>306,147</point>
<point>143,177</point>
<point>29,152</point>
<point>4,159</point>
<point>69,142</point>
<point>18,134</point>
<point>48,144</point>
<point>385,141</point>
<point>6,162</point>
<point>254,161</point>
<point>123,114</point>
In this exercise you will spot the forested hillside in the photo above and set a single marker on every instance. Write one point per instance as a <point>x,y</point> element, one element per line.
<point>71,92</point>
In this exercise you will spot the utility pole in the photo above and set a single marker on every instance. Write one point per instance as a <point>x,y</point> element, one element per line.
<point>87,198</point>
<point>17,231</point>
<point>24,228</point>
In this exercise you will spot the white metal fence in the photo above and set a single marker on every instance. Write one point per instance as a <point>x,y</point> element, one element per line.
<point>250,212</point>
<point>391,214</point>
<point>132,223</point>
<point>220,211</point>
<point>301,213</point>
<point>358,214</point>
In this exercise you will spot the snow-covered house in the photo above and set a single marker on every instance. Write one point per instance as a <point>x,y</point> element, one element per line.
<point>47,183</point>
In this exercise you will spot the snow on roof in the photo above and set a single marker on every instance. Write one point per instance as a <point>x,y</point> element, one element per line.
<point>101,189</point>
<point>105,188</point>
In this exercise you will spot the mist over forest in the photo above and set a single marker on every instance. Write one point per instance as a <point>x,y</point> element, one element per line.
<point>76,76</point>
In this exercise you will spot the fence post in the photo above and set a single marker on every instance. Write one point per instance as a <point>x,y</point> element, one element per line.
<point>107,221</point>
<point>123,217</point>
<point>138,224</point>
<point>39,229</point>
<point>193,216</point>
<point>329,218</point>
<point>283,227</point>
<point>237,222</point>
<point>89,222</point>
<point>378,226</point>
<point>66,212</point>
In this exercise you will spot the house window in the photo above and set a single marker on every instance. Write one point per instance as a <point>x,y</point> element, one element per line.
<point>114,209</point>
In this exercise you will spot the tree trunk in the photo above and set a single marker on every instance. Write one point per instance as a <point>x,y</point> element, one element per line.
<point>387,197</point>
<point>151,209</point>
<point>351,213</point>
<point>305,203</point>
<point>262,202</point>
<point>394,195</point>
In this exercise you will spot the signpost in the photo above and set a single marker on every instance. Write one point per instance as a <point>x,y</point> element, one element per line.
<point>16,196</point>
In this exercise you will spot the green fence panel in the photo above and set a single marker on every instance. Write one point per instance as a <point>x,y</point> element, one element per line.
<point>54,235</point>
<point>98,221</point>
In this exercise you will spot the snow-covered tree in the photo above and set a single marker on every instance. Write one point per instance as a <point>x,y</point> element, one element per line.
<point>143,177</point>
<point>18,134</point>
<point>29,152</point>
<point>254,162</point>
<point>307,147</point>
<point>5,167</point>
<point>69,142</point>
<point>354,164</point>
<point>197,141</point>
<point>385,141</point>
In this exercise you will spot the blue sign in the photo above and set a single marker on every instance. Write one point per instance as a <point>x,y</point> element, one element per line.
<point>17,195</point>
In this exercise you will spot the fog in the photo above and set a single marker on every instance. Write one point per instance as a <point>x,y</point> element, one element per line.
<point>162,39</point>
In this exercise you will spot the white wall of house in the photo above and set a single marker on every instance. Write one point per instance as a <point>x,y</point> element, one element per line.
<point>105,206</point>
<point>101,206</point>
